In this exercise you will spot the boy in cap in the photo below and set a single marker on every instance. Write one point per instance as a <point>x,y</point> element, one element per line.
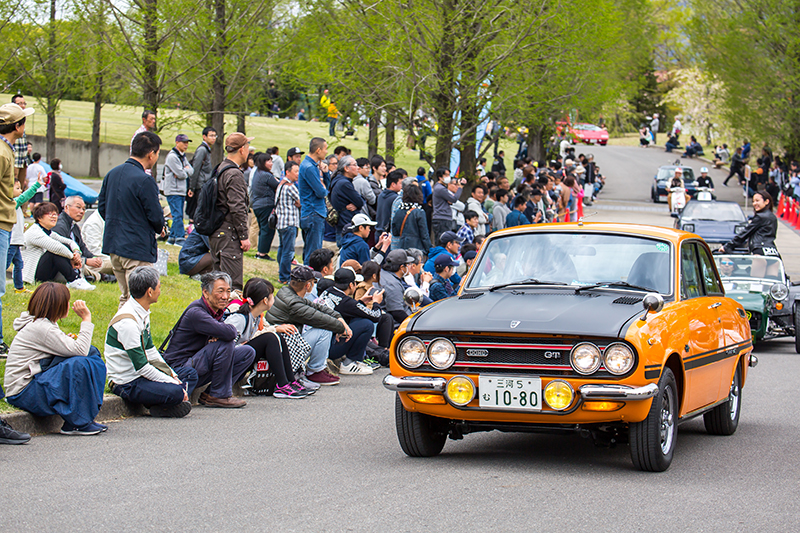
<point>354,241</point>
<point>177,170</point>
<point>441,286</point>
<point>451,245</point>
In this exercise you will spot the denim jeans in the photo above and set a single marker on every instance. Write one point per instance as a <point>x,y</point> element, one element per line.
<point>176,209</point>
<point>287,236</point>
<point>15,256</point>
<point>331,126</point>
<point>313,226</point>
<point>5,240</point>
<point>222,364</point>
<point>265,233</point>
<point>354,348</point>
<point>320,342</point>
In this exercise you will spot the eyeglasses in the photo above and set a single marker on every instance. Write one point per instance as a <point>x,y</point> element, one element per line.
<point>726,263</point>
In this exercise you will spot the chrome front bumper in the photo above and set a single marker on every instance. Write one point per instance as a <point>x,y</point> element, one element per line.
<point>587,392</point>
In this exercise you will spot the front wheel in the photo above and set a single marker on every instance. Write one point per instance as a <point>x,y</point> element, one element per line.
<point>420,435</point>
<point>724,418</point>
<point>653,439</point>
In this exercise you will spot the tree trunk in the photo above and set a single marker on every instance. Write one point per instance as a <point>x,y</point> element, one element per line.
<point>444,101</point>
<point>150,21</point>
<point>469,142</point>
<point>240,122</point>
<point>389,131</point>
<point>218,83</point>
<point>51,85</point>
<point>94,158</point>
<point>372,142</point>
<point>535,141</point>
<point>50,136</point>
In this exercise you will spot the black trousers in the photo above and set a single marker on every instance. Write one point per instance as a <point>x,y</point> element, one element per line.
<point>51,265</point>
<point>273,348</point>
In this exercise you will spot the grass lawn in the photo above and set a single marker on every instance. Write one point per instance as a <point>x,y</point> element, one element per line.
<point>177,291</point>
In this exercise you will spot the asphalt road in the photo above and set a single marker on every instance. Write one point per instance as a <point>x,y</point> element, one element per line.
<point>332,462</point>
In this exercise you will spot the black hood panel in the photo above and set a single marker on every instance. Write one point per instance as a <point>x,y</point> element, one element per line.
<point>553,311</point>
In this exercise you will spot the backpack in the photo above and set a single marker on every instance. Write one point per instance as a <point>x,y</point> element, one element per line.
<point>207,218</point>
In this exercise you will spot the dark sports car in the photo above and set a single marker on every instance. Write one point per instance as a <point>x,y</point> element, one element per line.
<point>715,222</point>
<point>658,191</point>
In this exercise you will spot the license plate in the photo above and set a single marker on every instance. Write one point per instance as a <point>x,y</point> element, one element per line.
<point>510,392</point>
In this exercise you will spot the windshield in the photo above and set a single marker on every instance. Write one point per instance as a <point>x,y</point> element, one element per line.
<point>749,266</point>
<point>588,127</point>
<point>666,173</point>
<point>723,212</point>
<point>574,259</point>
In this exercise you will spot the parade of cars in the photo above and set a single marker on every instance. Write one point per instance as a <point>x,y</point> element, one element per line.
<point>618,332</point>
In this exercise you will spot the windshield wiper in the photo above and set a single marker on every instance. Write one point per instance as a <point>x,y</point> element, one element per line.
<point>529,281</point>
<point>622,284</point>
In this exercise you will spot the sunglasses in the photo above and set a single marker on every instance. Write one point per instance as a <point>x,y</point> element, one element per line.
<point>726,263</point>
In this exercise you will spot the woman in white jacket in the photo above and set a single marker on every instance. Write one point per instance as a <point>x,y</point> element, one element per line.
<point>51,373</point>
<point>48,254</point>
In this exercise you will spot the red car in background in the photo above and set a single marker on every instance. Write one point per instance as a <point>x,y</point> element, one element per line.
<point>589,134</point>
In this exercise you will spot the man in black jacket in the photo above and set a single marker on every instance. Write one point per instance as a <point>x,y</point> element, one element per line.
<point>67,226</point>
<point>394,184</point>
<point>128,202</point>
<point>202,169</point>
<point>344,197</point>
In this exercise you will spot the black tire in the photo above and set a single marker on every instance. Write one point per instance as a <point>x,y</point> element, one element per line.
<point>653,443</point>
<point>419,435</point>
<point>797,328</point>
<point>724,418</point>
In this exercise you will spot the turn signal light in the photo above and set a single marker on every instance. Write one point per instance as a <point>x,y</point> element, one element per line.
<point>779,306</point>
<point>602,406</point>
<point>428,398</point>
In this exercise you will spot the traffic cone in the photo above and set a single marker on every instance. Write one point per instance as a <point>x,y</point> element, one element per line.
<point>780,205</point>
<point>790,216</point>
<point>796,214</point>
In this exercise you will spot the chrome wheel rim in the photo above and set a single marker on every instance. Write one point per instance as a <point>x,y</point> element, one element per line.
<point>667,420</point>
<point>733,398</point>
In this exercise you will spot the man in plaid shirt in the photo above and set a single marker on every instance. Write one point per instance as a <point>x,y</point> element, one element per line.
<point>22,150</point>
<point>287,211</point>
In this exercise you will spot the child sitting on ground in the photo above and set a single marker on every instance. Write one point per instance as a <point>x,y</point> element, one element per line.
<point>18,231</point>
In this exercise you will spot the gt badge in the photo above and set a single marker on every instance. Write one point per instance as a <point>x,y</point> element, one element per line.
<point>514,324</point>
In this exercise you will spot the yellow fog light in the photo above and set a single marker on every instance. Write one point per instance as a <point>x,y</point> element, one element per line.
<point>779,306</point>
<point>558,394</point>
<point>428,398</point>
<point>602,406</point>
<point>460,390</point>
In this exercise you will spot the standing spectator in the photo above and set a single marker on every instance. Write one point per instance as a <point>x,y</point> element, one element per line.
<point>202,341</point>
<point>67,226</point>
<point>746,150</point>
<point>424,184</point>
<point>654,125</point>
<point>136,370</point>
<point>499,165</point>
<point>443,198</point>
<point>517,216</point>
<point>21,147</point>
<point>287,212</point>
<point>409,225</point>
<point>737,166</point>
<point>148,124</point>
<point>262,198</point>
<point>128,202</point>
<point>385,201</point>
<point>176,171</point>
<point>51,373</point>
<point>362,186</point>
<point>325,100</point>
<point>34,171</point>
<point>313,188</point>
<point>57,185</point>
<point>475,204</point>
<point>500,210</point>
<point>12,128</point>
<point>333,116</point>
<point>344,197</point>
<point>441,286</point>
<point>277,163</point>
<point>230,241</point>
<point>301,115</point>
<point>295,154</point>
<point>379,169</point>
<point>677,127</point>
<point>201,170</point>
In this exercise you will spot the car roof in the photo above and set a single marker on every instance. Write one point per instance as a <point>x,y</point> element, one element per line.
<point>643,230</point>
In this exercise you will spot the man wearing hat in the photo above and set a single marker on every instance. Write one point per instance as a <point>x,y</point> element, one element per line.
<point>395,267</point>
<point>441,286</point>
<point>176,172</point>
<point>354,241</point>
<point>232,239</point>
<point>295,154</point>
<point>450,245</point>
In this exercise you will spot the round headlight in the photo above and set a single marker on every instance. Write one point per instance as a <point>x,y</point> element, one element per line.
<point>441,353</point>
<point>558,394</point>
<point>460,390</point>
<point>411,352</point>
<point>618,359</point>
<point>779,291</point>
<point>585,358</point>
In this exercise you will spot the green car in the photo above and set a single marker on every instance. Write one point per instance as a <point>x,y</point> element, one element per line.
<point>761,285</point>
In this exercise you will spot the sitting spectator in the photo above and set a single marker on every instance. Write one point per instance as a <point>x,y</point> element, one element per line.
<point>441,287</point>
<point>467,249</point>
<point>500,210</point>
<point>391,281</point>
<point>371,274</point>
<point>693,148</point>
<point>136,371</point>
<point>672,143</point>
<point>258,295</point>
<point>195,256</point>
<point>57,185</point>
<point>517,216</point>
<point>409,224</point>
<point>471,223</point>
<point>321,262</point>
<point>48,254</point>
<point>451,245</point>
<point>291,307</point>
<point>416,277</point>
<point>721,155</point>
<point>202,341</point>
<point>350,353</point>
<point>51,373</point>
<point>354,241</point>
<point>67,226</point>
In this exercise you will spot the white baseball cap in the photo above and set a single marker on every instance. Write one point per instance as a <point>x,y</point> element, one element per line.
<point>362,220</point>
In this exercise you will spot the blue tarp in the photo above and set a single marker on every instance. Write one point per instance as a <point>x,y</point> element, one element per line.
<point>75,187</point>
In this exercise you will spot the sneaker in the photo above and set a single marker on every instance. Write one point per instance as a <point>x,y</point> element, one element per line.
<point>309,385</point>
<point>323,377</point>
<point>265,257</point>
<point>103,427</point>
<point>3,350</point>
<point>355,368</point>
<point>372,363</point>
<point>296,385</point>
<point>171,411</point>
<point>80,284</point>
<point>23,290</point>
<point>9,435</point>
<point>89,429</point>
<point>289,393</point>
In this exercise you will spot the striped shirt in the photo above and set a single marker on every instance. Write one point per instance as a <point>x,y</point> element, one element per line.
<point>285,209</point>
<point>21,157</point>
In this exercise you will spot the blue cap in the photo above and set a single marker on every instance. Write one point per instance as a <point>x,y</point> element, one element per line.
<point>444,260</point>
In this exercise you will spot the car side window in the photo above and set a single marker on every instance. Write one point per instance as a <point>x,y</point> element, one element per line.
<point>710,280</point>
<point>690,272</point>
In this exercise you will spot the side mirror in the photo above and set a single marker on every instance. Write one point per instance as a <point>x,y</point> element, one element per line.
<point>652,303</point>
<point>412,298</point>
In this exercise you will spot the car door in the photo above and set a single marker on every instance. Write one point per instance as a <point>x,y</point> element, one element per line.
<point>704,333</point>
